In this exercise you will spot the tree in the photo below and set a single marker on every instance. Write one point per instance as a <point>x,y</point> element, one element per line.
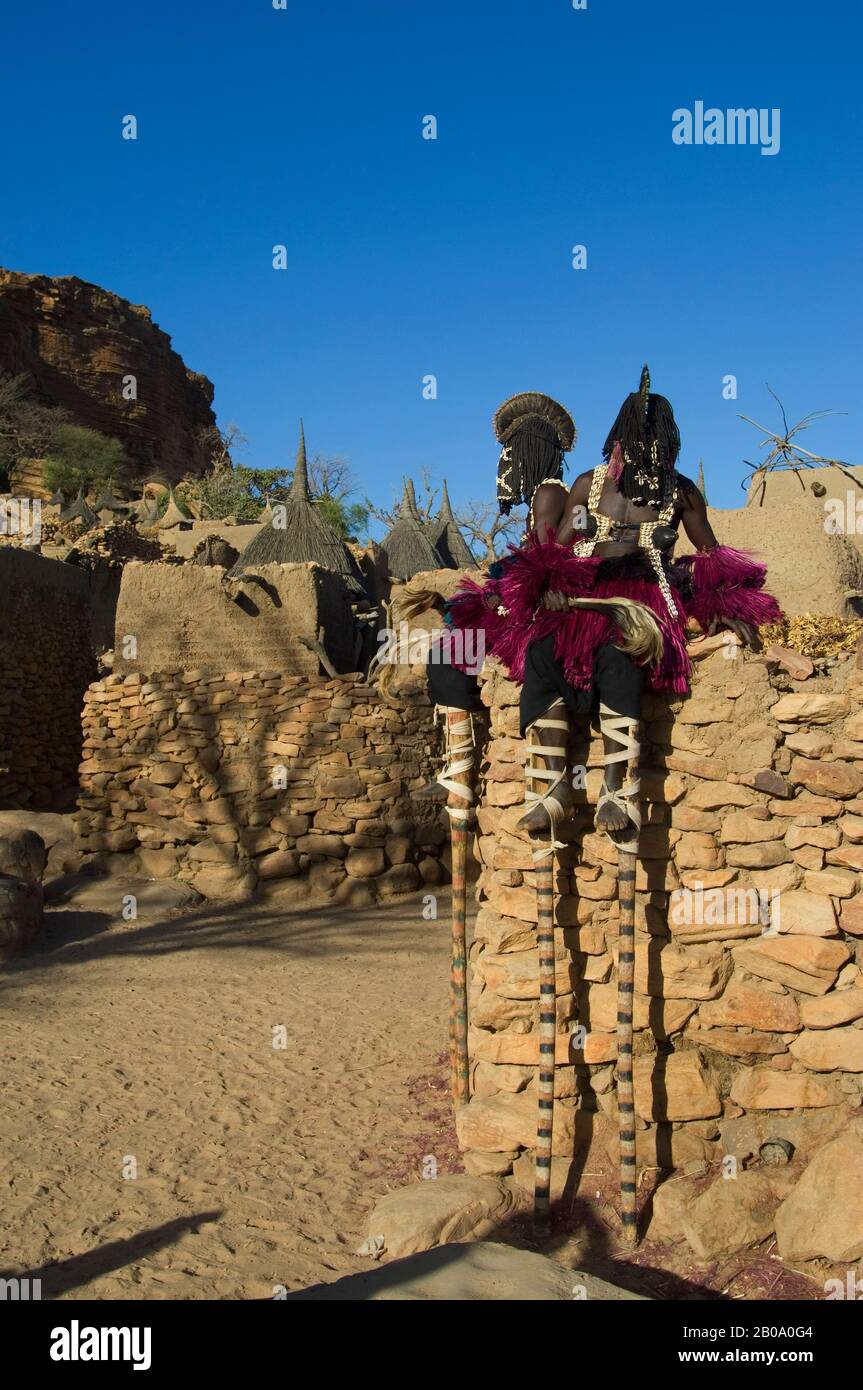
<point>217,444</point>
<point>348,521</point>
<point>331,484</point>
<point>83,459</point>
<point>28,429</point>
<point>230,488</point>
<point>427,503</point>
<point>488,528</point>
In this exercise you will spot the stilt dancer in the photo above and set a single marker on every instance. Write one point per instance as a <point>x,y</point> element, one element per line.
<point>587,617</point>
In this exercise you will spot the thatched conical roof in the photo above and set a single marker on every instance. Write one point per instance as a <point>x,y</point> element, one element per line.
<point>407,547</point>
<point>448,540</point>
<point>80,510</point>
<point>702,486</point>
<point>299,532</point>
<point>107,502</point>
<point>173,515</point>
<point>146,511</point>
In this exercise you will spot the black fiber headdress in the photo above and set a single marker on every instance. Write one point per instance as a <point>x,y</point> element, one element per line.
<point>535,432</point>
<point>642,447</point>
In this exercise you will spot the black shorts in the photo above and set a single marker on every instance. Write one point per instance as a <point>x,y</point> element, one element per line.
<point>616,680</point>
<point>447,685</point>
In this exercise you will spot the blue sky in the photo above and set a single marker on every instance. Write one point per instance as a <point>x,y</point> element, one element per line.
<point>452,257</point>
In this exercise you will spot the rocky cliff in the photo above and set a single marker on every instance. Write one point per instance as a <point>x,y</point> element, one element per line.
<point>77,342</point>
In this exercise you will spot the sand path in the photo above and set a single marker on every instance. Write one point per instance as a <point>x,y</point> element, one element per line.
<point>256,1165</point>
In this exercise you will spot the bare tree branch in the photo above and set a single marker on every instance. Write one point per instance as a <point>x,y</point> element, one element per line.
<point>488,528</point>
<point>786,454</point>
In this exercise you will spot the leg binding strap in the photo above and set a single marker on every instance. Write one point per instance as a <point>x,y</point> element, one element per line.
<point>623,730</point>
<point>459,746</point>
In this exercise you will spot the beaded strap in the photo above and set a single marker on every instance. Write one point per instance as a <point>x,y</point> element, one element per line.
<point>584,549</point>
<point>605,524</point>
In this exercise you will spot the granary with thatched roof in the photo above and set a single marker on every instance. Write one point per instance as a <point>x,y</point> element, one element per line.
<point>407,548</point>
<point>297,532</point>
<point>173,515</point>
<point>146,511</point>
<point>447,539</point>
<point>108,507</point>
<point>80,510</point>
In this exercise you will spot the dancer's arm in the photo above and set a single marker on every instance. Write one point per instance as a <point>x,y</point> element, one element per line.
<point>575,510</point>
<point>694,517</point>
<point>727,584</point>
<point>550,503</point>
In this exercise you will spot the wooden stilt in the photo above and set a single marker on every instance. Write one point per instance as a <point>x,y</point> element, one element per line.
<point>459,773</point>
<point>625,1096</point>
<point>459,1062</point>
<point>544,871</point>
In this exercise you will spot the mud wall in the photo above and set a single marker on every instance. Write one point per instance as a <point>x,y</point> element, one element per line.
<point>190,616</point>
<point>46,664</point>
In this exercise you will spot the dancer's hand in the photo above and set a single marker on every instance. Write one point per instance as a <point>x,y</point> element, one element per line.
<point>555,602</point>
<point>745,631</point>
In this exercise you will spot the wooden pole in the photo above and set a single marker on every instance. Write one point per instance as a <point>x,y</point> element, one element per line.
<point>459,810</point>
<point>544,871</point>
<point>625,1096</point>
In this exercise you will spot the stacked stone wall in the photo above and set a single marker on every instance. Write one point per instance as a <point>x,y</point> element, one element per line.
<point>229,781</point>
<point>749,991</point>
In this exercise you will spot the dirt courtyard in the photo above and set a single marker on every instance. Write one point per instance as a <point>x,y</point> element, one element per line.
<point>156,1144</point>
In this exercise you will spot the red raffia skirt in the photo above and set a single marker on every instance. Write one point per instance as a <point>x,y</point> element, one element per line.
<point>507,616</point>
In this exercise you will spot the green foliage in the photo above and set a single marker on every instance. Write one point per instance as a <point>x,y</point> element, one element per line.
<point>164,499</point>
<point>233,489</point>
<point>83,458</point>
<point>347,520</point>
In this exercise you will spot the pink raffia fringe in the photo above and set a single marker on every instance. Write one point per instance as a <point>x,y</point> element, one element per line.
<point>728,583</point>
<point>507,611</point>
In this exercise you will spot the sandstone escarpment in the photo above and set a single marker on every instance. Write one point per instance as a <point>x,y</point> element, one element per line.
<point>77,343</point>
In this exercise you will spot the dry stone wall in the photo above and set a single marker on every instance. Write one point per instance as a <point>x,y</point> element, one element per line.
<point>749,988</point>
<point>231,780</point>
<point>46,664</point>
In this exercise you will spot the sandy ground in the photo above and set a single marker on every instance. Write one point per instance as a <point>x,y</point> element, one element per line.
<point>256,1166</point>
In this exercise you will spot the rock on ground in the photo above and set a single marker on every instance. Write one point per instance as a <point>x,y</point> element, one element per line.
<point>440,1210</point>
<point>732,1214</point>
<point>153,898</point>
<point>480,1272</point>
<point>823,1216</point>
<point>22,863</point>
